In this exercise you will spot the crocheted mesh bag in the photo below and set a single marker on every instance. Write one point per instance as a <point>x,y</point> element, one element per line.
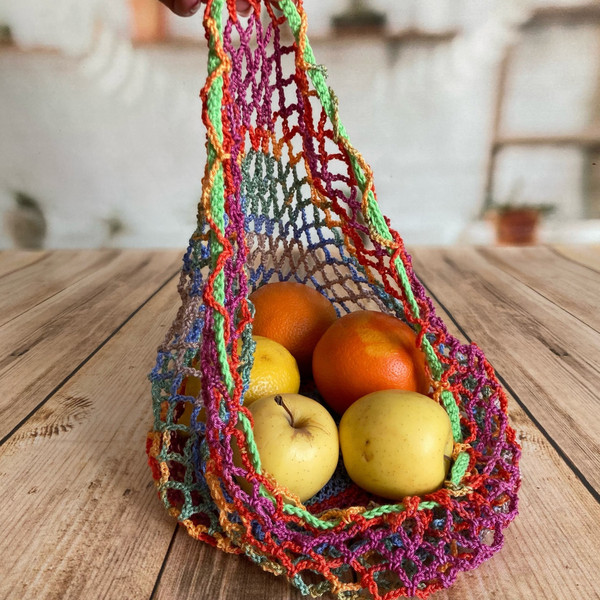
<point>286,197</point>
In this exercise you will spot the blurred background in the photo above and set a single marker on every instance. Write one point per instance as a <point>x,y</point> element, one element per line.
<point>480,118</point>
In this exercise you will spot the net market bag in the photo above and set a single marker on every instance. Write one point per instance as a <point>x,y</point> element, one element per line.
<point>287,197</point>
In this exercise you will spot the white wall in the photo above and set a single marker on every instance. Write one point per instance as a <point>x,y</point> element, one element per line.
<point>115,133</point>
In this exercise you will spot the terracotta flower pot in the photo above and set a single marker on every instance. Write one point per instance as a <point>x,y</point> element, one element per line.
<point>517,227</point>
<point>148,21</point>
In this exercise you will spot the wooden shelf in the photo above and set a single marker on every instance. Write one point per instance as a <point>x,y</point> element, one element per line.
<point>565,15</point>
<point>413,35</point>
<point>400,37</point>
<point>588,140</point>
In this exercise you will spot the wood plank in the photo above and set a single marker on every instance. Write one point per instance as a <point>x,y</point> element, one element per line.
<point>196,570</point>
<point>31,285</point>
<point>13,260</point>
<point>43,346</point>
<point>80,516</point>
<point>568,284</point>
<point>550,358</point>
<point>537,560</point>
<point>588,255</point>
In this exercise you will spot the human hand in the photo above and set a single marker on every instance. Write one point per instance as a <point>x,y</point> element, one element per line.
<point>186,8</point>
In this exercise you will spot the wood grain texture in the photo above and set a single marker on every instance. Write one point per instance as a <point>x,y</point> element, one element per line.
<point>550,357</point>
<point>36,282</point>
<point>75,315</point>
<point>588,256</point>
<point>544,555</point>
<point>569,284</point>
<point>13,260</point>
<point>80,516</point>
<point>196,570</point>
<point>539,559</point>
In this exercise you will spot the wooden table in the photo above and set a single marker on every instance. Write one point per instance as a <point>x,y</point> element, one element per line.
<point>79,516</point>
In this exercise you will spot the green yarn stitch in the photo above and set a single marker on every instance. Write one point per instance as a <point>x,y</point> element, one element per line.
<point>252,449</point>
<point>374,214</point>
<point>392,508</point>
<point>452,410</point>
<point>292,509</point>
<point>459,468</point>
<point>217,195</point>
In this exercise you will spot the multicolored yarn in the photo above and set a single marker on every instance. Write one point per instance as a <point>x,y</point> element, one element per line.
<point>286,196</point>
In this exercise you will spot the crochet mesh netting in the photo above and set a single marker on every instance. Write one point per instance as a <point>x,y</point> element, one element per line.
<point>287,197</point>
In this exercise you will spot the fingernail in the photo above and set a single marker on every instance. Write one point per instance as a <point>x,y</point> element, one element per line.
<point>194,8</point>
<point>244,8</point>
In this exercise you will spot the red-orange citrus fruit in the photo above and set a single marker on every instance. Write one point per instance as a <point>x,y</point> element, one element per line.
<point>293,314</point>
<point>365,352</point>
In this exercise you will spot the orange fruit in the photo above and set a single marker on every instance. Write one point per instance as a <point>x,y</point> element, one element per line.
<point>293,314</point>
<point>365,352</point>
<point>274,371</point>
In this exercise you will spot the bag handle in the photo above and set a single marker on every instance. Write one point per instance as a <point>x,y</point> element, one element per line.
<point>219,63</point>
<point>296,19</point>
<point>213,195</point>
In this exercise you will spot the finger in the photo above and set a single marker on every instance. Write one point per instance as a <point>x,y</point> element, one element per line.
<point>183,8</point>
<point>243,7</point>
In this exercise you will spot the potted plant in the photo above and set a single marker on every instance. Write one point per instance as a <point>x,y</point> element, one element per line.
<point>517,224</point>
<point>358,18</point>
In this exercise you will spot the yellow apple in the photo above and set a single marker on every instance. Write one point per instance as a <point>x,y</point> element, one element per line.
<point>396,443</point>
<point>297,441</point>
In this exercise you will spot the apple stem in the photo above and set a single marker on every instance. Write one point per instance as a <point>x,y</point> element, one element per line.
<point>280,402</point>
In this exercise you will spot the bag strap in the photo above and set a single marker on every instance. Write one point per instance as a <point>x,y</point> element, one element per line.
<point>213,195</point>
<point>219,64</point>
